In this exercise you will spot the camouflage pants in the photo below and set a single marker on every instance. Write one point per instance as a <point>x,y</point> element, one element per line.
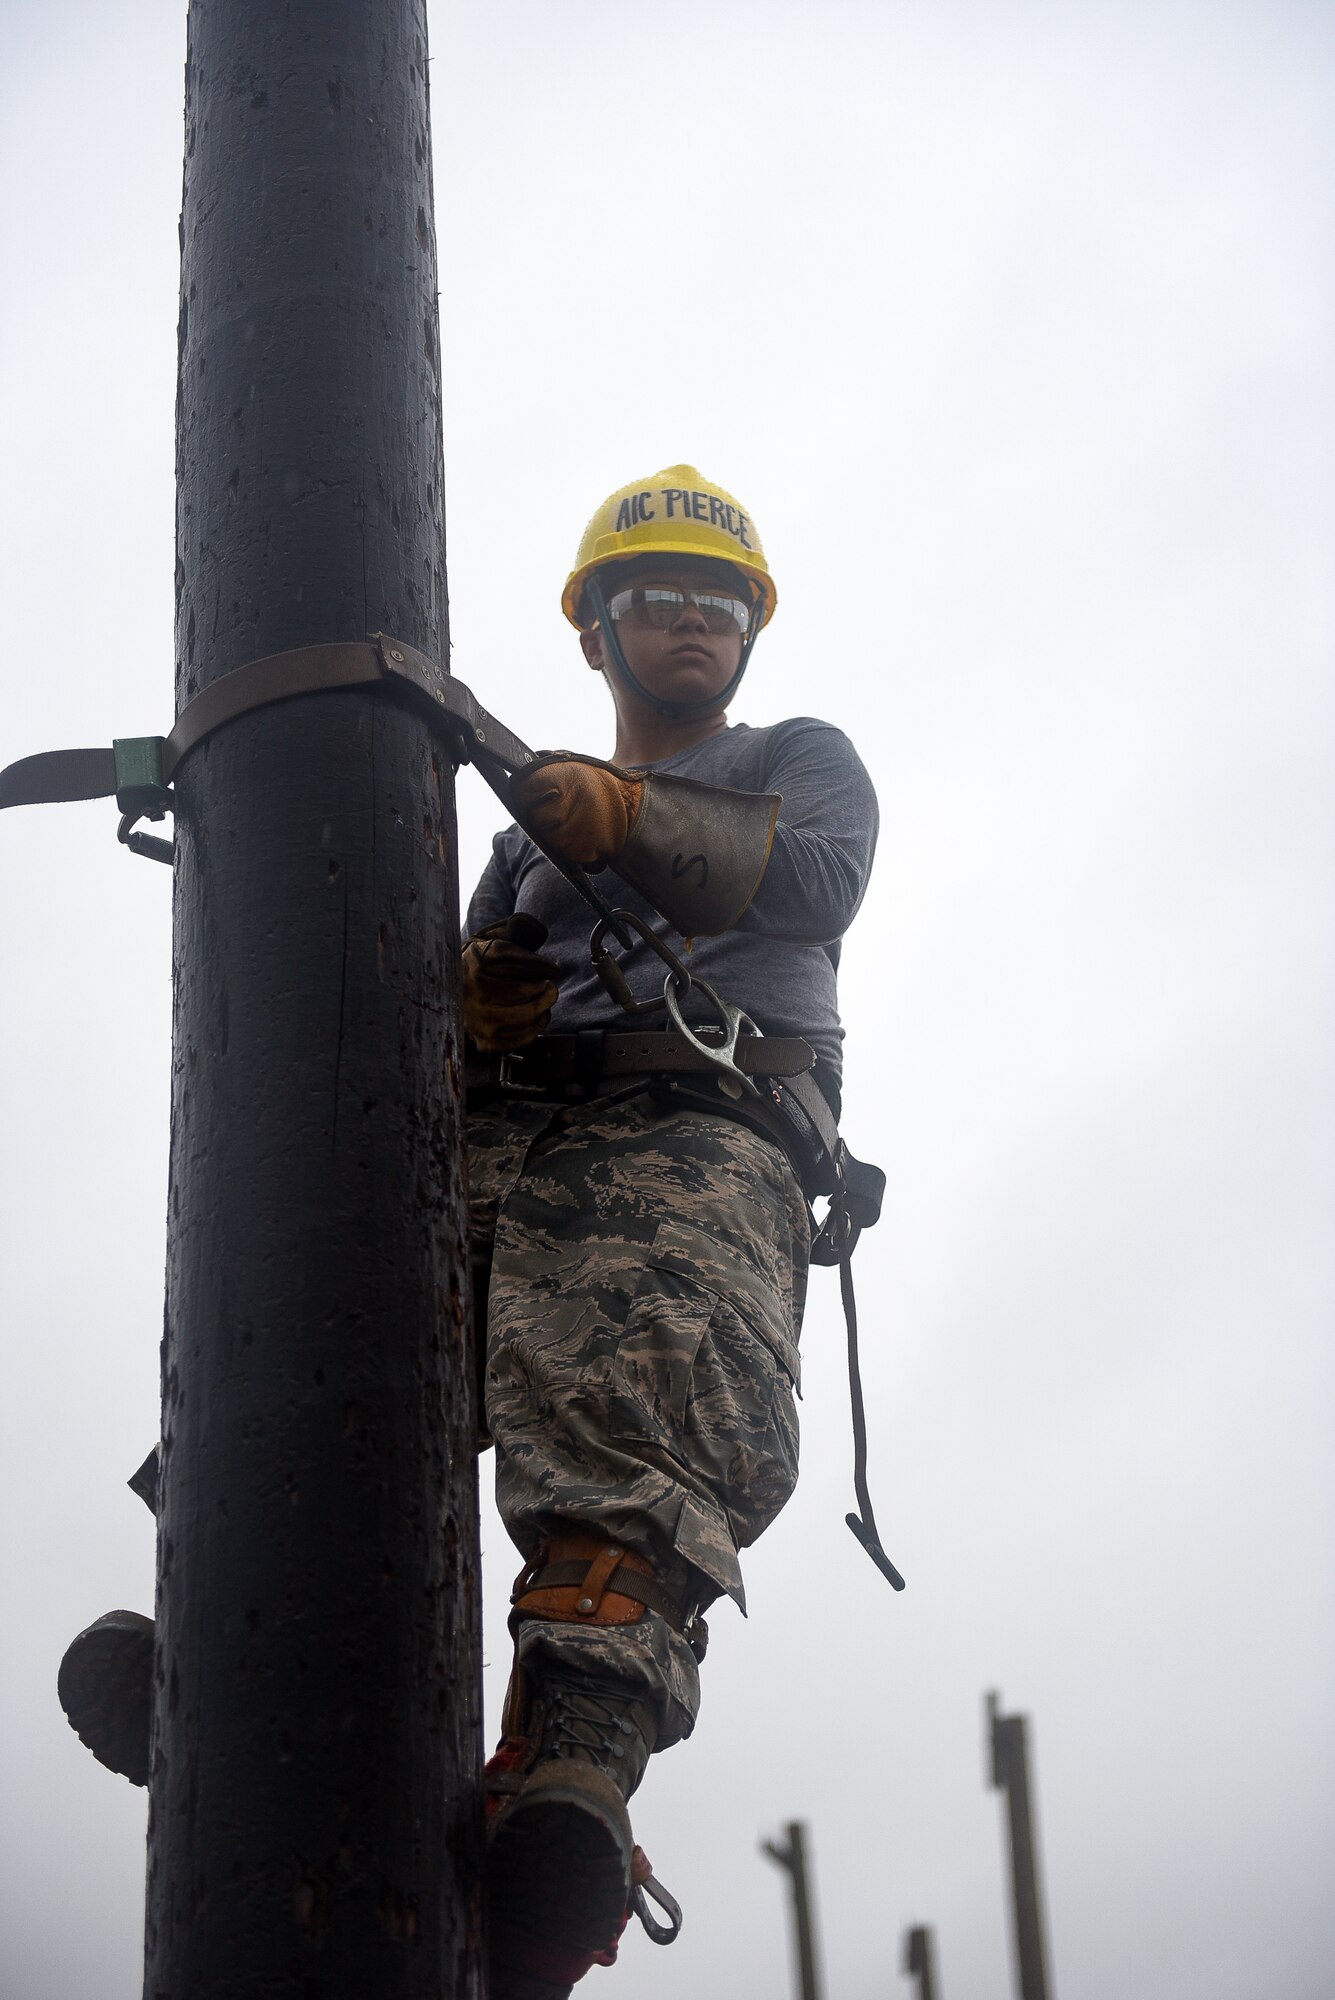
<point>647,1277</point>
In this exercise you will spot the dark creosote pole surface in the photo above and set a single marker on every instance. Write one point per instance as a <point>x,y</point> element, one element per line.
<point>314,1795</point>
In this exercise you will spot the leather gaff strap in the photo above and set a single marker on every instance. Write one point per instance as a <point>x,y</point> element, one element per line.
<point>619,1578</point>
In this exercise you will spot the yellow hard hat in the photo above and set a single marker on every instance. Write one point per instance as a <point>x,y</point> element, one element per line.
<point>677,512</point>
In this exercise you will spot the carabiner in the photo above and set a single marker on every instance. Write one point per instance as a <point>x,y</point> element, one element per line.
<point>609,972</point>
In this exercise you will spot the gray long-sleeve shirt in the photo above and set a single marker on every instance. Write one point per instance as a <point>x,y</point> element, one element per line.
<point>781,960</point>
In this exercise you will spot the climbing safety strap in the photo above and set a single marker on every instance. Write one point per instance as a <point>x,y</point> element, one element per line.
<point>138,770</point>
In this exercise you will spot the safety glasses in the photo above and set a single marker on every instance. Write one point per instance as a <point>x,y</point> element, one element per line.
<point>658,606</point>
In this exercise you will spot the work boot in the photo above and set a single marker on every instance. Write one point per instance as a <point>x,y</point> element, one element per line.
<point>560,1848</point>
<point>105,1686</point>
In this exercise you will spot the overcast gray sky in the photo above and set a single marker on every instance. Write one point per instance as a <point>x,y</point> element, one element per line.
<point>1012,326</point>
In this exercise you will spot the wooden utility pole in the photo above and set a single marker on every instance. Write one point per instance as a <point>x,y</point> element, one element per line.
<point>919,1958</point>
<point>793,1858</point>
<point>1007,1736</point>
<point>314,1793</point>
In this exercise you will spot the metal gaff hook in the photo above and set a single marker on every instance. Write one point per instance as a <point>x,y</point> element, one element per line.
<point>666,1901</point>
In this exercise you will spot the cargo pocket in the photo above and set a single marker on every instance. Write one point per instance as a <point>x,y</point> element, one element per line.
<point>741,1433</point>
<point>655,1354</point>
<point>705,1372</point>
<point>741,1418</point>
<point>704,1540</point>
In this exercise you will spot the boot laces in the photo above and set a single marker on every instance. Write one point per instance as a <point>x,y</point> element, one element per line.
<point>593,1723</point>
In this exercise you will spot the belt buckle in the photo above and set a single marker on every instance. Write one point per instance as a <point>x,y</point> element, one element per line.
<point>514,1086</point>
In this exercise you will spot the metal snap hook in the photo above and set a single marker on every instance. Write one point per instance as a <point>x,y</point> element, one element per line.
<point>722,1054</point>
<point>732,1020</point>
<point>150,845</point>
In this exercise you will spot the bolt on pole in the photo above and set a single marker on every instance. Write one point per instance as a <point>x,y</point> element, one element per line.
<point>314,1797</point>
<point>920,1959</point>
<point>793,1858</point>
<point>1007,1737</point>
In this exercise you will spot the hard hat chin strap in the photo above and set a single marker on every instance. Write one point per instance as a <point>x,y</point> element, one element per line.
<point>683,710</point>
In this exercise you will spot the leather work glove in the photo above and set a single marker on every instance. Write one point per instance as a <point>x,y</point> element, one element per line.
<point>581,811</point>
<point>508,990</point>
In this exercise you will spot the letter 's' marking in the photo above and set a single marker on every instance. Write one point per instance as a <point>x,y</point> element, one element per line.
<point>681,866</point>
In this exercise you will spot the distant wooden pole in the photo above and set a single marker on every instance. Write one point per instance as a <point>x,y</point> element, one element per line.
<point>919,1957</point>
<point>1010,1773</point>
<point>793,1857</point>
